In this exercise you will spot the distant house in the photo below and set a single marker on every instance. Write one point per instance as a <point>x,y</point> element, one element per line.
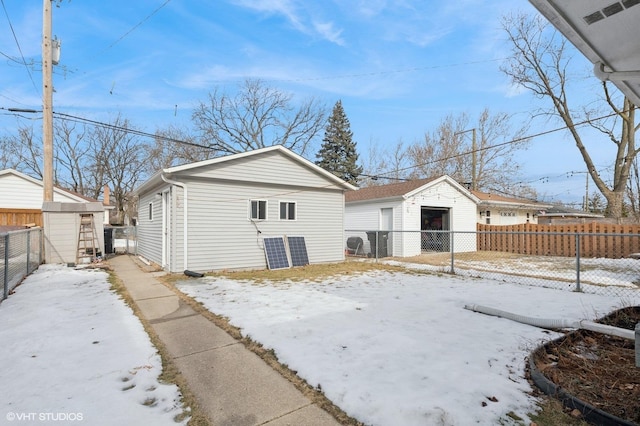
<point>216,214</point>
<point>563,215</point>
<point>22,203</point>
<point>499,210</point>
<point>21,198</point>
<point>417,212</point>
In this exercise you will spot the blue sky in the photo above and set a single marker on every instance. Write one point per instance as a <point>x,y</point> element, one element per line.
<point>399,67</point>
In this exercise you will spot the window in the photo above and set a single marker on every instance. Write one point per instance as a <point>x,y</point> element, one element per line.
<point>150,212</point>
<point>258,210</point>
<point>287,210</point>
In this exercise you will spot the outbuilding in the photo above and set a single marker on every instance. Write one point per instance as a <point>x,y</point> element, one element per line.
<point>407,218</point>
<point>217,214</point>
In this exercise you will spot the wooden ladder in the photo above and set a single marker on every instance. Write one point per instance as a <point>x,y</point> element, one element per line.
<point>87,240</point>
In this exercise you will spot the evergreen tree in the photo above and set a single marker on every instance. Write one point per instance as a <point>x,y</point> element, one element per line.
<point>338,153</point>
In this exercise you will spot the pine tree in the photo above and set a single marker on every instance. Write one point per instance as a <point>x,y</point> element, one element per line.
<point>338,153</point>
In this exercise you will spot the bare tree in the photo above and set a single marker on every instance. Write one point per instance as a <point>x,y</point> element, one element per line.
<point>488,166</point>
<point>386,165</point>
<point>23,152</point>
<point>174,146</point>
<point>256,117</point>
<point>442,152</point>
<point>539,62</point>
<point>119,162</point>
<point>72,153</point>
<point>633,190</point>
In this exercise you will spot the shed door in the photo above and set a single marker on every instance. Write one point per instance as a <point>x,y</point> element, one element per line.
<point>386,224</point>
<point>436,220</point>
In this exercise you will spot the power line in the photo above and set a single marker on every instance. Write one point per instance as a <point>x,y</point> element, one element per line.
<point>18,44</point>
<point>77,119</point>
<point>134,27</point>
<point>521,139</point>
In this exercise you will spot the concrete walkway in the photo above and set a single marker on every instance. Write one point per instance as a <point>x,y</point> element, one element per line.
<point>232,384</point>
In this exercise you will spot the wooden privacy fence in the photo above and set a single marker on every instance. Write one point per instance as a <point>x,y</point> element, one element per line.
<point>20,217</point>
<point>603,240</point>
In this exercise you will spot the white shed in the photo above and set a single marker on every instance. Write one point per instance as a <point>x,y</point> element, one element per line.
<point>215,214</point>
<point>418,215</point>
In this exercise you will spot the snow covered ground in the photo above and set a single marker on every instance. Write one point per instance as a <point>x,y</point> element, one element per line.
<point>400,348</point>
<point>74,353</point>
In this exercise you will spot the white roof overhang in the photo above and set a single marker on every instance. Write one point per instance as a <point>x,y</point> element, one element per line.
<point>606,32</point>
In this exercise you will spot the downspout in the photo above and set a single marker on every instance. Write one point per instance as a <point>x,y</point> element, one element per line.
<point>184,218</point>
<point>603,75</point>
<point>555,323</point>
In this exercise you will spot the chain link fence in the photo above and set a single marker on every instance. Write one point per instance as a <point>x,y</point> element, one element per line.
<point>508,259</point>
<point>20,255</point>
<point>120,240</point>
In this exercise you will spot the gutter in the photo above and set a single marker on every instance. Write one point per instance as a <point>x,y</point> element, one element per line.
<point>603,75</point>
<point>184,219</point>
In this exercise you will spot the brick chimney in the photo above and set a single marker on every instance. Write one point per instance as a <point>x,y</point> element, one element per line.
<point>105,200</point>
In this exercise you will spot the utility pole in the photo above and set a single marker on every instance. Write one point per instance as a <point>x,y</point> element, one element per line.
<point>47,101</point>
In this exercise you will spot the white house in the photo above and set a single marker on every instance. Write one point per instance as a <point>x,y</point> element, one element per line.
<point>22,200</point>
<point>416,212</point>
<point>499,210</point>
<point>215,214</point>
<point>19,191</point>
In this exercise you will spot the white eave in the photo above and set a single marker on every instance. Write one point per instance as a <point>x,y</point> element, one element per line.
<point>606,32</point>
<point>156,179</point>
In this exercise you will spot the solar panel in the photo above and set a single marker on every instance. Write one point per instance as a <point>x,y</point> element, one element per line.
<point>298,251</point>
<point>276,253</point>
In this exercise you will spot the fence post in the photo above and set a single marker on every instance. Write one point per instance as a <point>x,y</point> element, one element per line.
<point>638,344</point>
<point>6,267</point>
<point>452,251</point>
<point>578,263</point>
<point>28,250</point>
<point>40,246</point>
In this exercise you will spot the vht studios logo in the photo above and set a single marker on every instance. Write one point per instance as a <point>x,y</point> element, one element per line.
<point>44,417</point>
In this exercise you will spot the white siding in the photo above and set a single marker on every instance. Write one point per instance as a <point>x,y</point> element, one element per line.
<point>363,216</point>
<point>219,232</point>
<point>19,193</point>
<point>221,235</point>
<point>367,217</point>
<point>176,244</point>
<point>272,167</point>
<point>62,230</point>
<point>507,216</point>
<point>149,232</point>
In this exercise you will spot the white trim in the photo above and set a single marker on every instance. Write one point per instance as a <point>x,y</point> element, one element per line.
<point>266,210</point>
<point>295,210</point>
<point>185,213</point>
<point>169,171</point>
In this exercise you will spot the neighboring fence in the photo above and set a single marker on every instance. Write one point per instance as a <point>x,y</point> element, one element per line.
<point>20,255</point>
<point>591,239</point>
<point>120,240</point>
<point>601,263</point>
<point>20,217</point>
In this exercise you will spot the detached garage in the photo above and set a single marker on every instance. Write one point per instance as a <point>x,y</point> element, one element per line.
<point>222,213</point>
<point>413,218</point>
